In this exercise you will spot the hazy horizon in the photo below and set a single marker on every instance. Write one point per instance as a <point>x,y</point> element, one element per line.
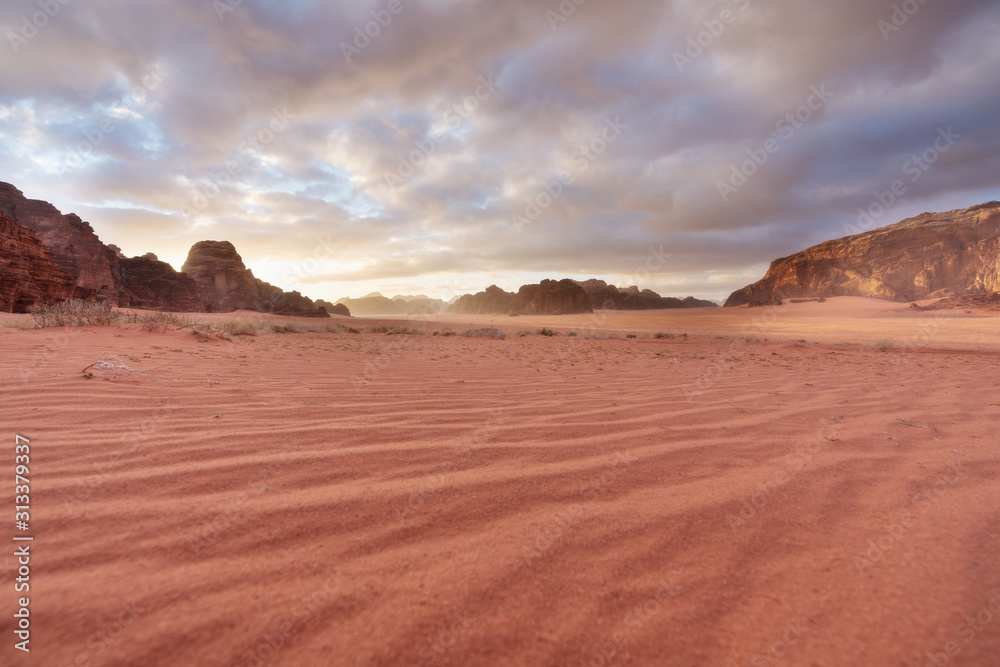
<point>436,148</point>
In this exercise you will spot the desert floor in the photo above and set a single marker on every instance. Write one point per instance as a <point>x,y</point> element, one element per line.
<point>770,488</point>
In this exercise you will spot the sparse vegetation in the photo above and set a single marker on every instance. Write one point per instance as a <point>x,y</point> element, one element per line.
<point>884,345</point>
<point>631,336</point>
<point>489,332</point>
<point>161,321</point>
<point>74,313</point>
<point>547,332</point>
<point>664,335</point>
<point>752,338</point>
<point>525,332</point>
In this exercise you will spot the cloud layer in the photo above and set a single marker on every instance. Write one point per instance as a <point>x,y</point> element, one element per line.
<point>438,146</point>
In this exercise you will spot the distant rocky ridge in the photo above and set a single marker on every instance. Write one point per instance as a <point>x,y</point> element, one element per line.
<point>608,297</point>
<point>375,304</point>
<point>41,248</point>
<point>549,297</point>
<point>552,297</point>
<point>933,255</point>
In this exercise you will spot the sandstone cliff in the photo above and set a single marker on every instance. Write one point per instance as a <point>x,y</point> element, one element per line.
<point>226,284</point>
<point>150,284</point>
<point>74,246</point>
<point>28,276</point>
<point>931,255</point>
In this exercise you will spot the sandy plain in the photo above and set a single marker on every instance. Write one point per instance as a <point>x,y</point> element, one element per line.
<point>766,487</point>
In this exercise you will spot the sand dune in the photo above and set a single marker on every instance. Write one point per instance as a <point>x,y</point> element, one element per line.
<point>364,499</point>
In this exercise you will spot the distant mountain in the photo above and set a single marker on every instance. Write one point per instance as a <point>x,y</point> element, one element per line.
<point>932,255</point>
<point>375,304</point>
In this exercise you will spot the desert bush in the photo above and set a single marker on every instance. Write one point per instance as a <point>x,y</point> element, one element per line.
<point>161,321</point>
<point>238,327</point>
<point>631,335</point>
<point>489,332</point>
<point>753,338</point>
<point>448,332</point>
<point>547,332</point>
<point>383,329</point>
<point>526,332</point>
<point>74,313</point>
<point>664,335</point>
<point>885,345</point>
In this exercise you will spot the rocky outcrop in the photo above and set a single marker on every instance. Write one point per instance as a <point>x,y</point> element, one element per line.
<point>275,300</point>
<point>420,304</point>
<point>549,297</point>
<point>225,283</point>
<point>931,255</point>
<point>28,275</point>
<point>213,277</point>
<point>552,297</point>
<point>334,308</point>
<point>150,284</point>
<point>491,301</point>
<point>74,246</point>
<point>608,297</point>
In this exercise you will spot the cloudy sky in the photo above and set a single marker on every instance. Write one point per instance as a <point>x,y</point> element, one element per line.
<point>439,146</point>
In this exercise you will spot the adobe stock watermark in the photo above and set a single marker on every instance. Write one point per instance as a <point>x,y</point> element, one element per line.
<point>920,503</point>
<point>566,9</point>
<point>699,42</point>
<point>899,17</point>
<point>424,148</point>
<point>363,35</point>
<point>584,156</point>
<point>914,168</point>
<point>94,136</point>
<point>966,631</point>
<point>30,26</point>
<point>209,187</point>
<point>223,7</point>
<point>785,127</point>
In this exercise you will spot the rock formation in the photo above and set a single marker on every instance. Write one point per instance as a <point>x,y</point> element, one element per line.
<point>150,284</point>
<point>608,297</point>
<point>931,255</point>
<point>334,308</point>
<point>550,297</point>
<point>28,276</point>
<point>491,301</point>
<point>74,246</point>
<point>226,284</point>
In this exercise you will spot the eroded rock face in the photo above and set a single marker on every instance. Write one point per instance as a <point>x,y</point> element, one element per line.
<point>552,297</point>
<point>150,284</point>
<point>608,297</point>
<point>74,246</point>
<point>225,283</point>
<point>931,255</point>
<point>28,275</point>
<point>275,300</point>
<point>490,301</point>
<point>549,297</point>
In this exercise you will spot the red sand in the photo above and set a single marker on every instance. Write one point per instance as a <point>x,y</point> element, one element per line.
<point>364,499</point>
